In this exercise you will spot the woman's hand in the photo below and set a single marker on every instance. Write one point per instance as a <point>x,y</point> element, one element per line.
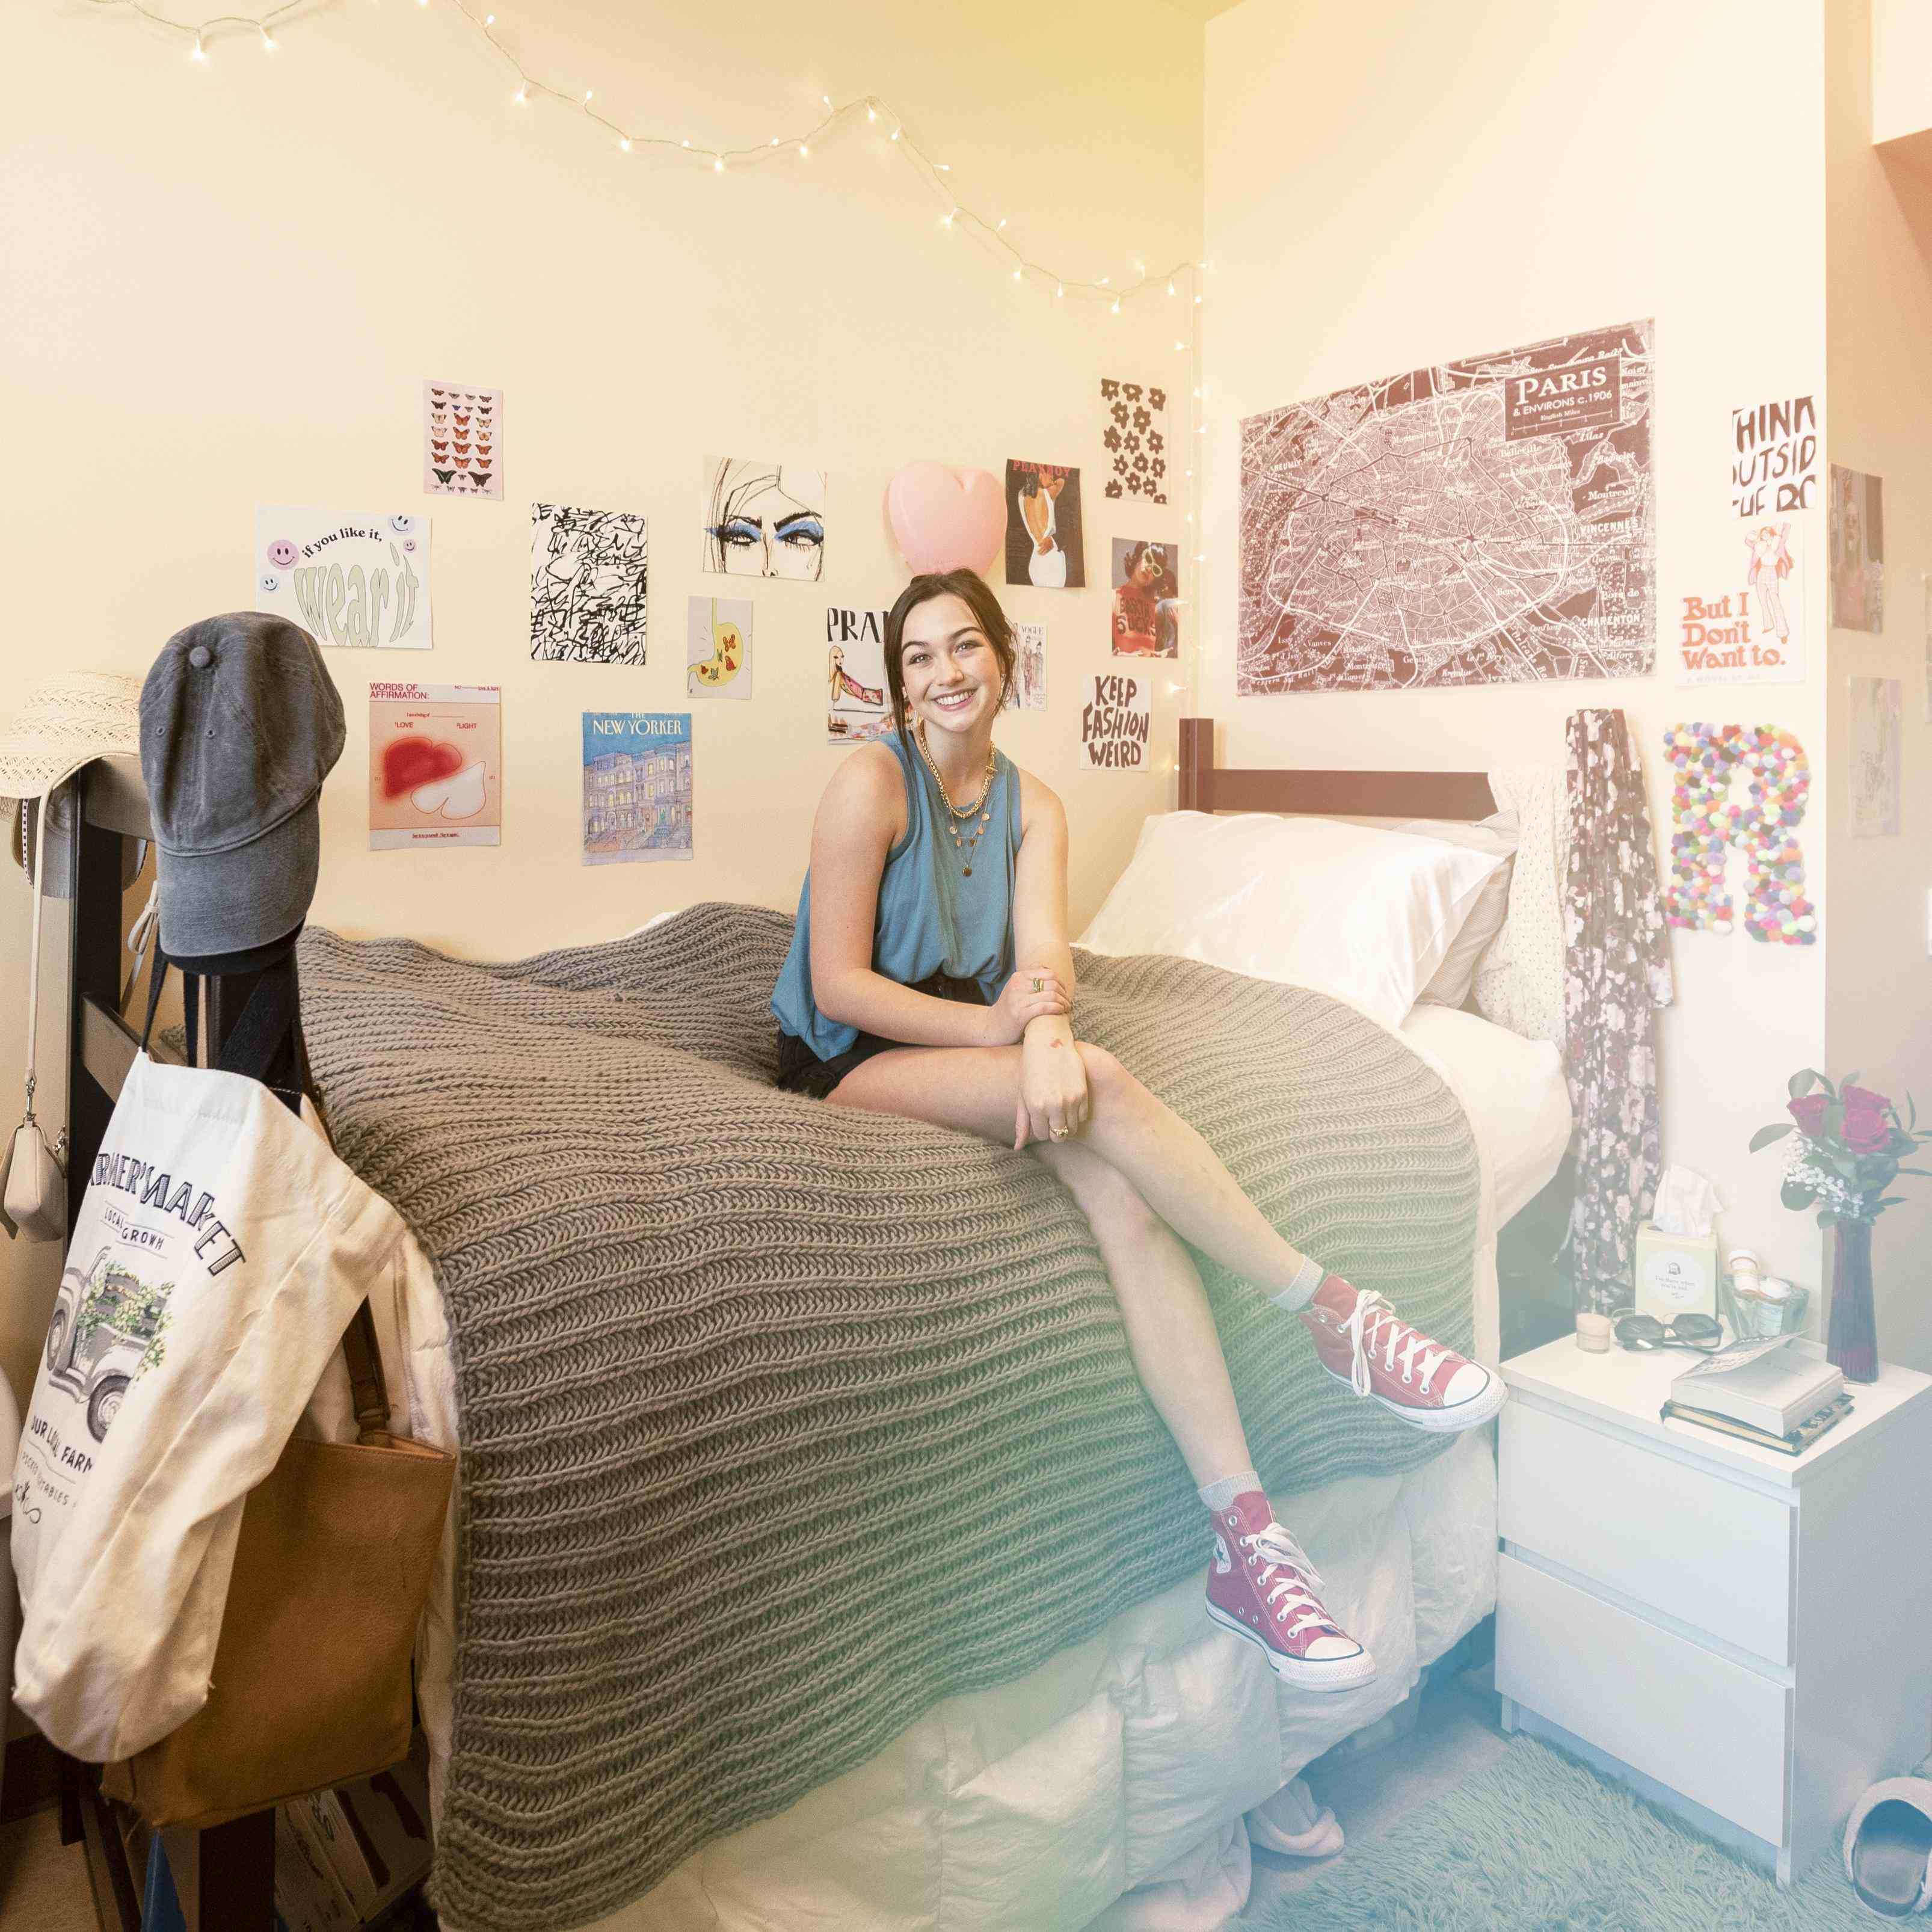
<point>1054,1103</point>
<point>1033,992</point>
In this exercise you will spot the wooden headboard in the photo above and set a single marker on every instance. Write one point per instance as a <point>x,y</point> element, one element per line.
<point>1204,787</point>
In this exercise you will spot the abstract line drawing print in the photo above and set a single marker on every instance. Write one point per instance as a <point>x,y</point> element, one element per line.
<point>1487,521</point>
<point>1135,433</point>
<point>463,432</point>
<point>588,581</point>
<point>763,520</point>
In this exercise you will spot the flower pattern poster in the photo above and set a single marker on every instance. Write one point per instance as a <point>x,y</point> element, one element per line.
<point>1133,431</point>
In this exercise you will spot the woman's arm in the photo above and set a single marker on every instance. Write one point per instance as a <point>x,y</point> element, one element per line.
<point>860,818</point>
<point>1053,1077</point>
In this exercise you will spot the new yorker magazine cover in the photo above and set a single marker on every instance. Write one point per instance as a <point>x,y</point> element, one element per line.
<point>637,787</point>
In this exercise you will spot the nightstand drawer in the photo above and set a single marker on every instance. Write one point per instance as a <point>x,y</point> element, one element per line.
<point>1706,1726</point>
<point>1708,1551</point>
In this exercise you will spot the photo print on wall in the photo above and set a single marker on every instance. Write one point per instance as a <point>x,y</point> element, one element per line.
<point>717,648</point>
<point>1116,721</point>
<point>1858,551</point>
<point>1877,710</point>
<point>1134,432</point>
<point>1144,623</point>
<point>1044,546</point>
<point>436,765</point>
<point>858,704</point>
<point>1027,691</point>
<point>1490,520</point>
<point>588,579</point>
<point>463,441</point>
<point>359,583</point>
<point>637,787</point>
<point>763,520</point>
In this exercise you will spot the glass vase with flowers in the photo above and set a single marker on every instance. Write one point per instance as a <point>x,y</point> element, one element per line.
<point>1847,1148</point>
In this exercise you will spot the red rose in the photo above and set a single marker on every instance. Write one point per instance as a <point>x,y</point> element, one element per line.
<point>1867,1128</point>
<point>1808,1111</point>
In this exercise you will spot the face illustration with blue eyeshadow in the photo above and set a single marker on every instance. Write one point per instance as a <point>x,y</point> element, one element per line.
<point>763,520</point>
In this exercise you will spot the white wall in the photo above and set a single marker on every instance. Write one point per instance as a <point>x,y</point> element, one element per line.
<point>1389,185</point>
<point>1878,245</point>
<point>225,283</point>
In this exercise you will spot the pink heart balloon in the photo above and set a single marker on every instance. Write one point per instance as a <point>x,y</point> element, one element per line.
<point>945,519</point>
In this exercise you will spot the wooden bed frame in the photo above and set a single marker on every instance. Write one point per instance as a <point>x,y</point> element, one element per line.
<point>226,1875</point>
<point>1206,787</point>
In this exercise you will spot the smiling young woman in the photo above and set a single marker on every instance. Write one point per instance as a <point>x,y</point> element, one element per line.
<point>930,975</point>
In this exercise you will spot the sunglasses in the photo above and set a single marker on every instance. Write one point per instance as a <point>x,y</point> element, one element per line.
<point>1701,1332</point>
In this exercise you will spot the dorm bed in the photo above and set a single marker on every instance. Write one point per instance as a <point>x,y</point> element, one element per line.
<point>818,1561</point>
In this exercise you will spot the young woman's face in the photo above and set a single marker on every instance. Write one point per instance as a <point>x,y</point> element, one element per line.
<point>950,669</point>
<point>1146,569</point>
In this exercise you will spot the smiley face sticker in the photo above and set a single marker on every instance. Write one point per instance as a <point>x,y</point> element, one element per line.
<point>269,581</point>
<point>282,553</point>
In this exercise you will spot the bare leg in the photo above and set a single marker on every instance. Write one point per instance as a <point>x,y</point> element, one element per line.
<point>1174,1172</point>
<point>1170,1332</point>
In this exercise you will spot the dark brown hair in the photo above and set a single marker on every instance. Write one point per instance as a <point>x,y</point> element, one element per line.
<point>973,591</point>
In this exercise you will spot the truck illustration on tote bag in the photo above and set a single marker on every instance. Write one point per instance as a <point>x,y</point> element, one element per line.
<point>106,1328</point>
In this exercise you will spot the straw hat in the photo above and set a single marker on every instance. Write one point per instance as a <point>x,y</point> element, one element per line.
<point>71,719</point>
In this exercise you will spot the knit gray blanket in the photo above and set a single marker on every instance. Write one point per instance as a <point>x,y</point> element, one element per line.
<point>782,1421</point>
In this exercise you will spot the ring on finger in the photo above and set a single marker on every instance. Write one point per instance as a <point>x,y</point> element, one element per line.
<point>1039,986</point>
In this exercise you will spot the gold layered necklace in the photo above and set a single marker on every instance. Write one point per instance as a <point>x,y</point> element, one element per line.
<point>964,848</point>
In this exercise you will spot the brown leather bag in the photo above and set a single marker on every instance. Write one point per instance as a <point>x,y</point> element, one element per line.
<point>311,1676</point>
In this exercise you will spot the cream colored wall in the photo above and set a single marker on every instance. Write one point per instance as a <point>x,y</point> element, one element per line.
<point>1901,67</point>
<point>1389,185</point>
<point>227,282</point>
<point>1878,246</point>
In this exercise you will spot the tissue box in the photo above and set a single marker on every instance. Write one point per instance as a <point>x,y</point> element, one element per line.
<point>1675,1274</point>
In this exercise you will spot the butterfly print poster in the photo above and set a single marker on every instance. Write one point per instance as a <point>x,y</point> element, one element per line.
<point>1134,431</point>
<point>463,441</point>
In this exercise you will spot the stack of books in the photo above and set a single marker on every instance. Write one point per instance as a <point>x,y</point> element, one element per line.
<point>1771,1394</point>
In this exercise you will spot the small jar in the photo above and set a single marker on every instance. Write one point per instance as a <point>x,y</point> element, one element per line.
<point>1593,1333</point>
<point>1743,1264</point>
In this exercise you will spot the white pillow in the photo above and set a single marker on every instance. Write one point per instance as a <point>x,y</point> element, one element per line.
<point>1364,914</point>
<point>1456,975</point>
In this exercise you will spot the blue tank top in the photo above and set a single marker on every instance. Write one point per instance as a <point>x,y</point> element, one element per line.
<point>931,917</point>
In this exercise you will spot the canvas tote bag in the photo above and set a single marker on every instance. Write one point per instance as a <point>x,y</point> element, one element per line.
<point>311,1685</point>
<point>217,1257</point>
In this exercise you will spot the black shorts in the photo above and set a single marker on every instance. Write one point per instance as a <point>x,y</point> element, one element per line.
<point>801,1071</point>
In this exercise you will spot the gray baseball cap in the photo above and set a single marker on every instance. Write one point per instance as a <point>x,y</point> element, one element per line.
<point>240,724</point>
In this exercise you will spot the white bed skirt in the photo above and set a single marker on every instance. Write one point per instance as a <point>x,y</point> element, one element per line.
<point>1119,1762</point>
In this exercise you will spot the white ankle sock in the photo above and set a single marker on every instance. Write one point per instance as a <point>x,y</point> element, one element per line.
<point>1220,1495</point>
<point>1300,1291</point>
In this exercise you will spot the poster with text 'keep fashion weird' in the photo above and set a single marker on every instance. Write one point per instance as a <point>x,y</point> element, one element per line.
<point>356,582</point>
<point>436,765</point>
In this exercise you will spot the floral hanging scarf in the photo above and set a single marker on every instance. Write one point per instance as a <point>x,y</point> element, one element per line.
<point>1617,971</point>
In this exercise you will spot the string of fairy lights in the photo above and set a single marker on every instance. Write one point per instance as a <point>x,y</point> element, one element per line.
<point>1182,284</point>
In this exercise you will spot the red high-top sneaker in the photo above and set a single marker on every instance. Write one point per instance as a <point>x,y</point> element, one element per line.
<point>1261,1586</point>
<point>1362,1342</point>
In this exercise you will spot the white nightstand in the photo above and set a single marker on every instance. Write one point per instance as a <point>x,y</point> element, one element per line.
<point>1742,1637</point>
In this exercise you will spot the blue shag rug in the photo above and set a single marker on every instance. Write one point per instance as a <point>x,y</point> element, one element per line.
<point>1538,1843</point>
